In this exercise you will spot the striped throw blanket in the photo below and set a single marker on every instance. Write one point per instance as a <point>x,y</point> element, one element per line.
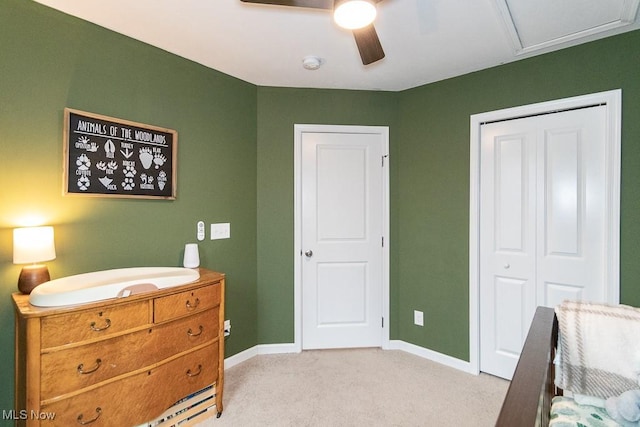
<point>599,348</point>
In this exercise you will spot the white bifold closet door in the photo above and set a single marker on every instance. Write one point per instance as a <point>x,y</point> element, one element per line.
<point>543,221</point>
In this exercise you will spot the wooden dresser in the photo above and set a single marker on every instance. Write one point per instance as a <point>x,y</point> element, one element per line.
<point>119,362</point>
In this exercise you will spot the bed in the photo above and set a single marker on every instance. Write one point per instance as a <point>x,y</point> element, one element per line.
<point>590,334</point>
<point>528,399</point>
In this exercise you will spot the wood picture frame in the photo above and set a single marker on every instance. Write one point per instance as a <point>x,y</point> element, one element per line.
<point>109,157</point>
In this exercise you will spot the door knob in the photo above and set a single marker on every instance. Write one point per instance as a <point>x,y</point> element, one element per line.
<point>506,266</point>
<point>308,253</point>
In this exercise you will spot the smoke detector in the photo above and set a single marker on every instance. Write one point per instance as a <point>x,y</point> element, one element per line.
<point>311,62</point>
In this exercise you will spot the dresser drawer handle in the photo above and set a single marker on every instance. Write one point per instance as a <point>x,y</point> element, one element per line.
<point>89,371</point>
<point>107,324</point>
<point>84,423</point>
<point>194,306</point>
<point>192,334</point>
<point>194,374</point>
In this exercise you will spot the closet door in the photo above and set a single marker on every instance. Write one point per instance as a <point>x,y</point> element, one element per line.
<point>543,221</point>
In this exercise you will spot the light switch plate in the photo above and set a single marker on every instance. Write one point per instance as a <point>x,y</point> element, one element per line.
<point>220,231</point>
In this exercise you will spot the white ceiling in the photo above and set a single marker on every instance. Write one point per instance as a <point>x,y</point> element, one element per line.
<point>424,40</point>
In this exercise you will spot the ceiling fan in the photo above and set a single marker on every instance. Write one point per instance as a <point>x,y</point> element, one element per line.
<point>364,33</point>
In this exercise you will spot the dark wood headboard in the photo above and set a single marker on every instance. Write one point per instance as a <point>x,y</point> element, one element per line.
<point>528,399</point>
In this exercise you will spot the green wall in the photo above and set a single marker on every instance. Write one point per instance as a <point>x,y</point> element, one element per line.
<point>278,110</point>
<point>429,142</point>
<point>433,178</point>
<point>49,61</point>
<point>236,165</point>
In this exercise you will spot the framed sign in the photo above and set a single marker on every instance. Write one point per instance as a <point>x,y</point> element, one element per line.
<point>108,157</point>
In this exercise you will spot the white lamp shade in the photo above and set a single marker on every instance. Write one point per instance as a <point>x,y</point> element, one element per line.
<point>33,244</point>
<point>354,14</point>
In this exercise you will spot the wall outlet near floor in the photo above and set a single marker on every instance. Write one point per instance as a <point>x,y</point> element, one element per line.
<point>418,318</point>
<point>227,328</point>
<point>220,231</point>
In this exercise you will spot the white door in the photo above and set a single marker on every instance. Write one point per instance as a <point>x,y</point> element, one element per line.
<point>542,221</point>
<point>341,245</point>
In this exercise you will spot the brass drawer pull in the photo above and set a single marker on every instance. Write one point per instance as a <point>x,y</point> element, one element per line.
<point>191,334</point>
<point>84,423</point>
<point>194,374</point>
<point>89,371</point>
<point>107,324</point>
<point>194,306</point>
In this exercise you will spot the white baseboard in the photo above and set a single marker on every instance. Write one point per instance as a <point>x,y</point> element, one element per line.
<point>238,358</point>
<point>434,356</point>
<point>247,354</point>
<point>277,348</point>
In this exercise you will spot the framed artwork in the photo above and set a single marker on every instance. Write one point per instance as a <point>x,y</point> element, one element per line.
<point>109,157</point>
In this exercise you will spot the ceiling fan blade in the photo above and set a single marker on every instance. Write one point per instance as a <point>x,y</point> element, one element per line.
<point>316,4</point>
<point>368,44</point>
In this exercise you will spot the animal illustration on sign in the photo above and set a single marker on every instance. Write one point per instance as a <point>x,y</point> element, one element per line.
<point>127,158</point>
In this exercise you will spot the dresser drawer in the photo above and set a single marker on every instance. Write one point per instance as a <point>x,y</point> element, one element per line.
<point>185,303</point>
<point>75,368</point>
<point>138,398</point>
<point>98,323</point>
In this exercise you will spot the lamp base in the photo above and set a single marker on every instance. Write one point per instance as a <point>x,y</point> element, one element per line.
<point>32,276</point>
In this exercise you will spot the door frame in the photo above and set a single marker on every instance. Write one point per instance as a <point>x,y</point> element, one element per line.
<point>299,129</point>
<point>613,101</point>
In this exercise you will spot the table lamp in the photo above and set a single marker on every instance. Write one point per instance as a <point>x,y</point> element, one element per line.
<point>33,245</point>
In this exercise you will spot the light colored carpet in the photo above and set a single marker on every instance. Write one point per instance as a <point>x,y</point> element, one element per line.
<point>356,387</point>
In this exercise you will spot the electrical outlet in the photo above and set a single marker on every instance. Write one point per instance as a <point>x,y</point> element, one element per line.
<point>418,318</point>
<point>227,328</point>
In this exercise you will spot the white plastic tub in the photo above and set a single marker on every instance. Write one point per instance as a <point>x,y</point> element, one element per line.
<point>101,285</point>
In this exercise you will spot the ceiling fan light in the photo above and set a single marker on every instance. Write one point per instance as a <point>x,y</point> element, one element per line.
<point>354,14</point>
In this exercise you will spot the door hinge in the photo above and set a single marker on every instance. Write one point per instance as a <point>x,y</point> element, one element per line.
<point>383,241</point>
<point>384,157</point>
<point>383,322</point>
